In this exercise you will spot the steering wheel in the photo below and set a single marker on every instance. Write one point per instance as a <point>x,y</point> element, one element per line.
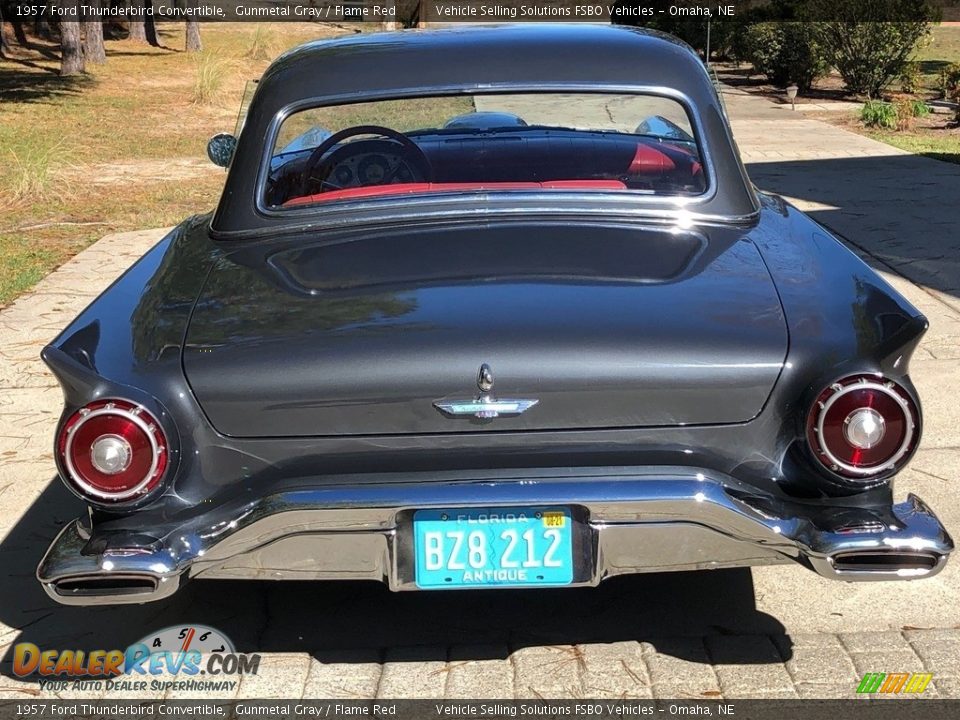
<point>412,154</point>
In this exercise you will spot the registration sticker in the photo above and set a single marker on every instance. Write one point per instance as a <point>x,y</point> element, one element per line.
<point>554,519</point>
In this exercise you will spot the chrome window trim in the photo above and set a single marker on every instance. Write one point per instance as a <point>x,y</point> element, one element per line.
<point>642,200</point>
<point>589,210</point>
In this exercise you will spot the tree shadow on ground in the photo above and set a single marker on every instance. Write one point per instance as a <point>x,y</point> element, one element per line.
<point>131,53</point>
<point>744,78</point>
<point>25,81</point>
<point>942,156</point>
<point>932,67</point>
<point>740,77</point>
<point>353,621</point>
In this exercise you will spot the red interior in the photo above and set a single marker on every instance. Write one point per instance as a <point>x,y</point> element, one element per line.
<point>423,187</point>
<point>649,159</point>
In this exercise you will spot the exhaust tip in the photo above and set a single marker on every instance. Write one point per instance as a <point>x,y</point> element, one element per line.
<point>886,564</point>
<point>105,586</point>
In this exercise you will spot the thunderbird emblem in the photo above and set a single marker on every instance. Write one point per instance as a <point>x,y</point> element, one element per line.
<point>485,405</point>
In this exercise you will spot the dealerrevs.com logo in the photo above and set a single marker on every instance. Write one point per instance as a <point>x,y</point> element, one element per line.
<point>181,657</point>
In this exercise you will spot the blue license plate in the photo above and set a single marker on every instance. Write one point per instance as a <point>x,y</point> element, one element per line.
<point>493,547</point>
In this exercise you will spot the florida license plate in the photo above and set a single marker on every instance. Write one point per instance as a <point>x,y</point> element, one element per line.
<point>493,547</point>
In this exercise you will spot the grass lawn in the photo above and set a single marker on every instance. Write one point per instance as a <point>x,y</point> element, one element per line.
<point>942,49</point>
<point>123,147</point>
<point>937,144</point>
<point>936,136</point>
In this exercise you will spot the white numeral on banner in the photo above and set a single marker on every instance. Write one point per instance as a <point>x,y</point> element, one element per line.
<point>513,538</point>
<point>456,549</point>
<point>555,539</point>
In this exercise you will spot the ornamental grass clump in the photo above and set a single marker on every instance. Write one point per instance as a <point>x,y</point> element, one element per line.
<point>211,72</point>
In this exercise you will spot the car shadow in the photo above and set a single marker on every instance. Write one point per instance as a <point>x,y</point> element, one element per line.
<point>353,621</point>
<point>866,202</point>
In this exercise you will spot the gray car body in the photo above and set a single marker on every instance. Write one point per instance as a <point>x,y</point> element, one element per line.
<point>233,375</point>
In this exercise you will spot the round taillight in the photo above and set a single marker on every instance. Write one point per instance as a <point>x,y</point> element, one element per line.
<point>112,450</point>
<point>862,426</point>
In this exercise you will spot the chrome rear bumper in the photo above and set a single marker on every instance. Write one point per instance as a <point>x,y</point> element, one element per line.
<point>629,520</point>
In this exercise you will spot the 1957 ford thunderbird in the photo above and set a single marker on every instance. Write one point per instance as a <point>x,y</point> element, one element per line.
<point>469,315</point>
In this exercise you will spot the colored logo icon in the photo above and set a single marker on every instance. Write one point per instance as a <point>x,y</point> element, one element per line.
<point>892,683</point>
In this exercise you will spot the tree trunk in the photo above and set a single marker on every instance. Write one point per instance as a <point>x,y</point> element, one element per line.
<point>93,49</point>
<point>4,43</point>
<point>149,28</point>
<point>71,52</point>
<point>135,29</point>
<point>5,47</point>
<point>41,28</point>
<point>19,34</point>
<point>389,25</point>
<point>193,36</point>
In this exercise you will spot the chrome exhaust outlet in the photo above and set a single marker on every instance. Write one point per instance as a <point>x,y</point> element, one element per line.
<point>898,562</point>
<point>909,544</point>
<point>110,589</point>
<point>879,565</point>
<point>100,585</point>
<point>72,577</point>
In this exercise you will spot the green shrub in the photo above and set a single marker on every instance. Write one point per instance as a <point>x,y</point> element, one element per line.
<point>910,78</point>
<point>869,54</point>
<point>919,108</point>
<point>893,116</point>
<point>908,111</point>
<point>739,45</point>
<point>876,113</point>
<point>786,52</point>
<point>761,47</point>
<point>949,80</point>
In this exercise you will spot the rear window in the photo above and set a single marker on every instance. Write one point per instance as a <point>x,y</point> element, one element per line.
<point>541,141</point>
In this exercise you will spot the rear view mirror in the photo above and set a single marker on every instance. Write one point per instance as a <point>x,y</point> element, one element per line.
<point>220,149</point>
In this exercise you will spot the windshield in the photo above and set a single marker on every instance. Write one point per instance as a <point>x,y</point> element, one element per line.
<point>248,91</point>
<point>486,142</point>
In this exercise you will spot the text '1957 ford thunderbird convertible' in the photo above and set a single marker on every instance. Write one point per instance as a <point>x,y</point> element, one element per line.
<point>470,316</point>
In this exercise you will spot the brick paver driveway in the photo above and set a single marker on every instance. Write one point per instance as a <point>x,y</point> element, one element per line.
<point>770,632</point>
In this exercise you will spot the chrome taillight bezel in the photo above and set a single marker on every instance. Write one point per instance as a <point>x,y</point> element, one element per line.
<point>836,391</point>
<point>132,412</point>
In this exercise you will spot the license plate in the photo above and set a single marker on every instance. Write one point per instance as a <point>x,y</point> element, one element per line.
<point>493,547</point>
